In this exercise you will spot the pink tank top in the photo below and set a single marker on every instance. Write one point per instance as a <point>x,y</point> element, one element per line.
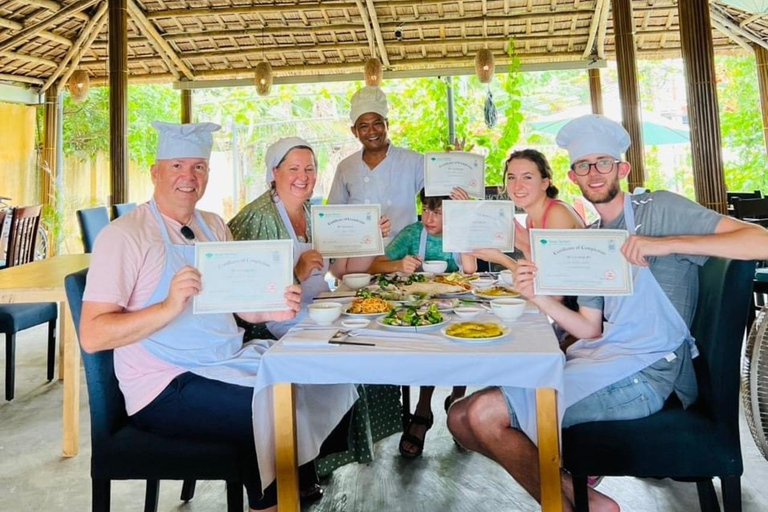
<point>550,204</point>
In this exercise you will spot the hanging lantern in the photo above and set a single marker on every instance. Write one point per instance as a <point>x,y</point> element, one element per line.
<point>373,72</point>
<point>484,66</point>
<point>263,78</point>
<point>79,84</point>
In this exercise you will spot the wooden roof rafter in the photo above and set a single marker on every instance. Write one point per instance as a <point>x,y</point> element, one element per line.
<point>33,30</point>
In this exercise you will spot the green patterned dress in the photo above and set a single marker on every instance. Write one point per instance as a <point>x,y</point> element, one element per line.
<point>377,413</point>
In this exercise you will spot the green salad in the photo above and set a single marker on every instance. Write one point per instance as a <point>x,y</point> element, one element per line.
<point>414,316</point>
<point>387,280</point>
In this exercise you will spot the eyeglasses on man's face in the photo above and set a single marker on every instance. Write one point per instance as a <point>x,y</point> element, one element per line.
<point>603,166</point>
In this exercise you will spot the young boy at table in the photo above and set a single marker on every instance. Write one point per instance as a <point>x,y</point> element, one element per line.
<point>416,243</point>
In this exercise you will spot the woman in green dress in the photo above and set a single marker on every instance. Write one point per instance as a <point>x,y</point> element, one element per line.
<point>282,212</point>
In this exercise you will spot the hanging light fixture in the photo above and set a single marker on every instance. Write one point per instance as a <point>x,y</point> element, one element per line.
<point>373,72</point>
<point>263,78</point>
<point>484,65</point>
<point>79,84</point>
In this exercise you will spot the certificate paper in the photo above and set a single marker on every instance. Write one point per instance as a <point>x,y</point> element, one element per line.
<point>347,231</point>
<point>580,262</point>
<point>243,276</point>
<point>469,225</point>
<point>444,171</point>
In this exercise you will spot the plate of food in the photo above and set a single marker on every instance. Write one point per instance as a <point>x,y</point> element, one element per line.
<point>443,305</point>
<point>455,279</point>
<point>475,332</point>
<point>423,318</point>
<point>368,307</point>
<point>495,292</point>
<point>397,280</point>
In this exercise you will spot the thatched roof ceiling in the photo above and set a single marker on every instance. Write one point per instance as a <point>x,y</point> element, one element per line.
<point>170,40</point>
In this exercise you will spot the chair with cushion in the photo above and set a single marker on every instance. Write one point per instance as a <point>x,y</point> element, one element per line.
<point>691,445</point>
<point>18,317</point>
<point>92,221</point>
<point>122,209</point>
<point>121,451</point>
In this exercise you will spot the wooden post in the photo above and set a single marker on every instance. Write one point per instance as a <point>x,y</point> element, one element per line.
<point>50,140</point>
<point>761,58</point>
<point>286,451</point>
<point>706,144</point>
<point>118,100</point>
<point>549,450</point>
<point>595,90</point>
<point>186,106</point>
<point>624,33</point>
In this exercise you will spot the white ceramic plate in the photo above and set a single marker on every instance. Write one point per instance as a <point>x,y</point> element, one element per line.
<point>504,328</point>
<point>479,293</point>
<point>411,328</point>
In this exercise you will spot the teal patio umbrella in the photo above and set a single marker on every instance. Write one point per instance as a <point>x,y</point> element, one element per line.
<point>657,130</point>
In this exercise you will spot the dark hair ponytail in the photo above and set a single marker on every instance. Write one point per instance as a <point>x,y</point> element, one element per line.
<point>542,165</point>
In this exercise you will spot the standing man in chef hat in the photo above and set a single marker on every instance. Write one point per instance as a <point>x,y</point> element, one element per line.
<point>626,367</point>
<point>183,375</point>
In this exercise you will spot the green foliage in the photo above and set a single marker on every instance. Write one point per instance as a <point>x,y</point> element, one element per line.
<point>86,124</point>
<point>741,124</point>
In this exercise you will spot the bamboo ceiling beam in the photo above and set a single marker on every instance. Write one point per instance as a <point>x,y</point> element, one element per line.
<point>75,60</point>
<point>79,47</point>
<point>718,17</point>
<point>733,37</point>
<point>377,32</point>
<point>16,26</point>
<point>23,79</point>
<point>248,9</point>
<point>593,26</point>
<point>750,19</point>
<point>602,29</point>
<point>39,27</point>
<point>29,59</point>
<point>367,26</point>
<point>162,46</point>
<point>55,7</point>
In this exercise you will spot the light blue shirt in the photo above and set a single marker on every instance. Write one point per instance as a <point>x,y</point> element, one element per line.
<point>394,184</point>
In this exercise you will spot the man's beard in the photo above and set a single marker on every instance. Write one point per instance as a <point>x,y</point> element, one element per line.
<point>609,196</point>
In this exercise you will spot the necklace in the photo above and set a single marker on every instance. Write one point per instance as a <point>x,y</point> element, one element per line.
<point>299,225</point>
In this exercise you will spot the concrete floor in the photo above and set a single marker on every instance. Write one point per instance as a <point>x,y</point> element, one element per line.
<point>35,477</point>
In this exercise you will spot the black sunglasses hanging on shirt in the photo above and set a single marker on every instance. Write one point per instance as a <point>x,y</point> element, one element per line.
<point>187,232</point>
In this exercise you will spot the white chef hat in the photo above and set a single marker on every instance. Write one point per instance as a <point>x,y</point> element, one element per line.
<point>593,134</point>
<point>368,99</point>
<point>192,140</point>
<point>277,151</point>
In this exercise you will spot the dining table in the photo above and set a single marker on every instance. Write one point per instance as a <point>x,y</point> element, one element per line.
<point>527,357</point>
<point>43,281</point>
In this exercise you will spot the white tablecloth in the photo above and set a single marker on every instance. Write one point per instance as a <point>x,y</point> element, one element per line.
<point>529,357</point>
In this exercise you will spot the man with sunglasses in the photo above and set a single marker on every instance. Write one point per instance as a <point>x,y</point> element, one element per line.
<point>634,351</point>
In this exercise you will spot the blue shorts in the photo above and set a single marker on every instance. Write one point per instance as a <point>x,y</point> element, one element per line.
<point>628,399</point>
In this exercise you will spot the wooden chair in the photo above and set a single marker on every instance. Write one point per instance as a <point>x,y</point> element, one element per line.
<point>17,317</point>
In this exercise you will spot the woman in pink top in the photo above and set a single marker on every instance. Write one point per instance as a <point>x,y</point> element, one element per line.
<point>529,185</point>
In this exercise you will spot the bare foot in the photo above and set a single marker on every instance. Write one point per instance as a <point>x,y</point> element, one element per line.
<point>418,430</point>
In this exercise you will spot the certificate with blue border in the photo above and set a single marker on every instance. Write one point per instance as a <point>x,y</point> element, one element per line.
<point>347,230</point>
<point>470,225</point>
<point>580,262</point>
<point>240,277</point>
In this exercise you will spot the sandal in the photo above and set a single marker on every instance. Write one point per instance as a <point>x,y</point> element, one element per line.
<point>447,404</point>
<point>311,494</point>
<point>410,438</point>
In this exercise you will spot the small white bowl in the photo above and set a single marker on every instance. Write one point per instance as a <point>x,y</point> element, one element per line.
<point>482,282</point>
<point>434,266</point>
<point>355,323</point>
<point>324,313</point>
<point>467,312</point>
<point>356,281</point>
<point>508,310</point>
<point>507,277</point>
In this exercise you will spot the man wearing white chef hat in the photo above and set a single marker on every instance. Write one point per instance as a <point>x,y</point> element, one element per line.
<point>626,367</point>
<point>182,375</point>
